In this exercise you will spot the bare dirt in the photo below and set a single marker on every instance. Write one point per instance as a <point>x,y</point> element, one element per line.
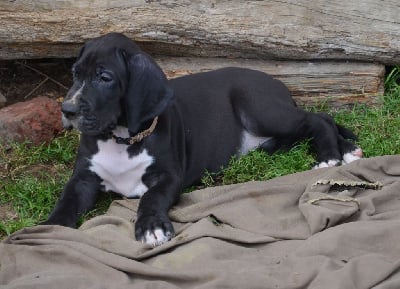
<point>21,80</point>
<point>7,213</point>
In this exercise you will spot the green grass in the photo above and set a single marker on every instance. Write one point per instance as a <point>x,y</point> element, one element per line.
<point>31,178</point>
<point>258,165</point>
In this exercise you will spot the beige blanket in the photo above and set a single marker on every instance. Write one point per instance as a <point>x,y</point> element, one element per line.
<point>327,228</point>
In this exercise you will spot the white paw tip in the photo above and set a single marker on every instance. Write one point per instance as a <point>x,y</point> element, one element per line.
<point>352,156</point>
<point>327,164</point>
<point>155,238</point>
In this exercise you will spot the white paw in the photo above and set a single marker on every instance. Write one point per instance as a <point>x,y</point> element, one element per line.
<point>156,237</point>
<point>352,156</point>
<point>327,164</point>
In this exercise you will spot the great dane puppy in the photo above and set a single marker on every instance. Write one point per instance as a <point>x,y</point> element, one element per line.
<point>144,136</point>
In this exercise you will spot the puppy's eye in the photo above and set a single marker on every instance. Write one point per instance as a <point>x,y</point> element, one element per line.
<point>106,77</point>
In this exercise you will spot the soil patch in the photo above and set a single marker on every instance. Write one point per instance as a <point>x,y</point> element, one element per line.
<point>41,170</point>
<point>21,80</point>
<point>7,213</point>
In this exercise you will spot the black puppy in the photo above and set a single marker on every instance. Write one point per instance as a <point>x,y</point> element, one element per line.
<point>144,136</point>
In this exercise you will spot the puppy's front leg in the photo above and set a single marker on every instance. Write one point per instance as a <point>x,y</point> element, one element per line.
<point>153,225</point>
<point>78,197</point>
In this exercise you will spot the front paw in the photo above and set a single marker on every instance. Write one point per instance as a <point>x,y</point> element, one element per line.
<point>153,230</point>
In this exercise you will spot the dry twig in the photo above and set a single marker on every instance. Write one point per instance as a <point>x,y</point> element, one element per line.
<point>44,74</point>
<point>36,88</point>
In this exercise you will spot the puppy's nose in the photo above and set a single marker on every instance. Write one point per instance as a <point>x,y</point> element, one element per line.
<point>69,109</point>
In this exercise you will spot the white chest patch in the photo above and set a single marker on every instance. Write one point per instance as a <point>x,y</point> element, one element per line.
<point>120,173</point>
<point>250,141</point>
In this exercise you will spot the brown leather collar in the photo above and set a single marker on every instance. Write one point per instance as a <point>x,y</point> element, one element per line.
<point>138,137</point>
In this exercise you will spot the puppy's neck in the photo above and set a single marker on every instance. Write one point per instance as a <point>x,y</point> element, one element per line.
<point>121,131</point>
<point>123,122</point>
<point>145,127</point>
<point>121,134</point>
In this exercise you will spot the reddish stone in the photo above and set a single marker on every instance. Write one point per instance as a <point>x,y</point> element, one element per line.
<point>37,121</point>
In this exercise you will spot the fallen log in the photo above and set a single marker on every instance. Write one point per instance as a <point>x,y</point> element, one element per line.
<point>335,84</point>
<point>366,30</point>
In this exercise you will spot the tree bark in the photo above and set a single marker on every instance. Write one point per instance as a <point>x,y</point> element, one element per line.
<point>365,30</point>
<point>310,83</point>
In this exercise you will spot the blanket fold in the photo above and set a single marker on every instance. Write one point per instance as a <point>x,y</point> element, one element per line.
<point>325,228</point>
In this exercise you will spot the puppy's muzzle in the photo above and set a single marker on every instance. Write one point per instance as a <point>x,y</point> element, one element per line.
<point>69,114</point>
<point>69,109</point>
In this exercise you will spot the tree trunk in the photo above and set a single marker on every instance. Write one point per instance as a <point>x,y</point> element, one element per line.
<point>310,83</point>
<point>365,30</point>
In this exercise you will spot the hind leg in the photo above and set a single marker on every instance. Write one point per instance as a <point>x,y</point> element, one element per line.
<point>294,125</point>
<point>349,151</point>
<point>273,145</point>
<point>275,116</point>
<point>324,141</point>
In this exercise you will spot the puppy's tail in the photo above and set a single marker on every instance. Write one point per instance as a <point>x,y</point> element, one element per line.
<point>346,133</point>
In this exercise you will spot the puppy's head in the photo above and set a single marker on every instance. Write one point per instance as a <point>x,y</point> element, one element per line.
<point>114,83</point>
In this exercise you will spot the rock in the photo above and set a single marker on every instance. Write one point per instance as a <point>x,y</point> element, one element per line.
<point>3,100</point>
<point>37,121</point>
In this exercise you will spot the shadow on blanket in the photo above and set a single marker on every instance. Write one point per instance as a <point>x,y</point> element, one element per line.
<point>327,228</point>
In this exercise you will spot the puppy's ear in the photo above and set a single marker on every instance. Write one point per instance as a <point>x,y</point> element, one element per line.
<point>148,93</point>
<point>81,52</point>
